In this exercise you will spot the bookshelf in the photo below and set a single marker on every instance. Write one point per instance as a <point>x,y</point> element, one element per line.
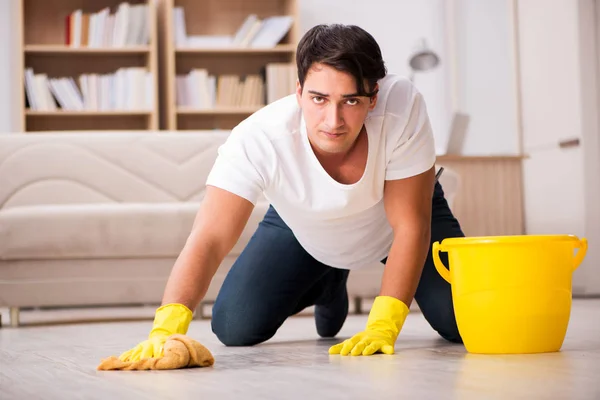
<point>106,47</point>
<point>201,43</point>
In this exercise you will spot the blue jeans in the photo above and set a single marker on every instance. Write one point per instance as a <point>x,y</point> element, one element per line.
<point>275,278</point>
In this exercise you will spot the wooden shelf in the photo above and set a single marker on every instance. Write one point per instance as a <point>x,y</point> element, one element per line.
<point>217,17</point>
<point>61,49</point>
<point>282,48</point>
<point>60,113</point>
<point>219,111</point>
<point>469,158</point>
<point>43,48</point>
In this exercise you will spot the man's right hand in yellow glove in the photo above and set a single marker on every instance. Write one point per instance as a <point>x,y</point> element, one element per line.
<point>169,319</point>
<point>385,321</point>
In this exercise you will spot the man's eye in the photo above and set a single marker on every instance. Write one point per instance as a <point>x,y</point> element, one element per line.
<point>352,102</point>
<point>318,99</point>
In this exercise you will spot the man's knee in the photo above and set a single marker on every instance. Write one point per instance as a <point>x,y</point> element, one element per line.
<point>438,311</point>
<point>234,327</point>
<point>444,322</point>
<point>451,335</point>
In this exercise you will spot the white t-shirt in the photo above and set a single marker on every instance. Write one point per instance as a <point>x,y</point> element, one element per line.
<point>343,226</point>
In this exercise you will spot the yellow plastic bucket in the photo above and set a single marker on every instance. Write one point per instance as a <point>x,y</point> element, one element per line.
<point>511,294</point>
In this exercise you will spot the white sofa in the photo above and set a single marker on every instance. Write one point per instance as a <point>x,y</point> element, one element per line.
<point>98,218</point>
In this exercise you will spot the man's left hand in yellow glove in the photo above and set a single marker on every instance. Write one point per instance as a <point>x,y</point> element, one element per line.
<point>168,320</point>
<point>385,321</point>
<point>408,209</point>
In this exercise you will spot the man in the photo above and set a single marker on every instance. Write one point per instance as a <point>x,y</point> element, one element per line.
<point>347,165</point>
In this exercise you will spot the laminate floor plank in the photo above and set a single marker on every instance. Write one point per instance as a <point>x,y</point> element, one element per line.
<point>59,362</point>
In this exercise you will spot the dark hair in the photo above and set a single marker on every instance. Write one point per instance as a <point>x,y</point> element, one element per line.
<point>346,48</point>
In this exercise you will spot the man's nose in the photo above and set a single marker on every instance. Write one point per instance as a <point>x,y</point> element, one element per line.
<point>334,118</point>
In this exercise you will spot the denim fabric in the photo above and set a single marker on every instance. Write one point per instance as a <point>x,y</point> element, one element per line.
<point>275,278</point>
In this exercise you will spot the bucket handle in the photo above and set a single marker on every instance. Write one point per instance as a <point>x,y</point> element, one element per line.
<point>439,265</point>
<point>583,244</point>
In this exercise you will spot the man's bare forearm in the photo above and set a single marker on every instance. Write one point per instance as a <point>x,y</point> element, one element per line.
<point>405,263</point>
<point>217,227</point>
<point>191,274</point>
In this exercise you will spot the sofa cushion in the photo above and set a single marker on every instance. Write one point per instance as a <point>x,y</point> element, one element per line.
<point>102,230</point>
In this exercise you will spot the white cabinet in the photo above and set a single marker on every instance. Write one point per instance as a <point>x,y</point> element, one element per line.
<point>559,101</point>
<point>554,203</point>
<point>554,192</point>
<point>548,67</point>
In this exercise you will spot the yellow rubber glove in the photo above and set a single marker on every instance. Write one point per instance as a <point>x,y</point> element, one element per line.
<point>169,319</point>
<point>385,321</point>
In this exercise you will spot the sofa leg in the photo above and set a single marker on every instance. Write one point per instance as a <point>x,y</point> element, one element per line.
<point>14,317</point>
<point>358,305</point>
<point>200,310</point>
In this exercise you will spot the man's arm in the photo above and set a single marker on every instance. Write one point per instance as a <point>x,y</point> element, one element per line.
<point>408,207</point>
<point>217,227</point>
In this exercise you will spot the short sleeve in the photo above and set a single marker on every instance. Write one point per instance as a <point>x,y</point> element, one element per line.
<point>243,164</point>
<point>411,147</point>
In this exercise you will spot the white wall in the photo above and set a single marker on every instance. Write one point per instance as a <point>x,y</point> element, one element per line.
<point>7,63</point>
<point>485,75</point>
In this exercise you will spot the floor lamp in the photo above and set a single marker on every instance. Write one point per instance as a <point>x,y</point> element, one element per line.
<point>423,59</point>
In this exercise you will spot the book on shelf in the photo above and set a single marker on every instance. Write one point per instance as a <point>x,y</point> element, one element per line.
<point>128,25</point>
<point>127,89</point>
<point>254,32</point>
<point>179,27</point>
<point>202,91</point>
<point>270,32</point>
<point>196,90</point>
<point>281,80</point>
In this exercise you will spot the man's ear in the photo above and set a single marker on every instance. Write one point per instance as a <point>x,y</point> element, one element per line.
<point>298,91</point>
<point>373,99</point>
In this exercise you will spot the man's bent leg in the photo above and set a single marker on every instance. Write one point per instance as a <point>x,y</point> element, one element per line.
<point>331,309</point>
<point>434,295</point>
<point>272,279</point>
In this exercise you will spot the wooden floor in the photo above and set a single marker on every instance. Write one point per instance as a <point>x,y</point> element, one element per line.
<point>58,362</point>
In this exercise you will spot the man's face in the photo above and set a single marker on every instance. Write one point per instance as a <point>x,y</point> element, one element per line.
<point>333,112</point>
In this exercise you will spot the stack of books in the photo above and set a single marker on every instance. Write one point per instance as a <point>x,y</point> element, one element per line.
<point>127,26</point>
<point>253,33</point>
<point>281,80</point>
<point>127,89</point>
<point>199,90</point>
<point>202,91</point>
